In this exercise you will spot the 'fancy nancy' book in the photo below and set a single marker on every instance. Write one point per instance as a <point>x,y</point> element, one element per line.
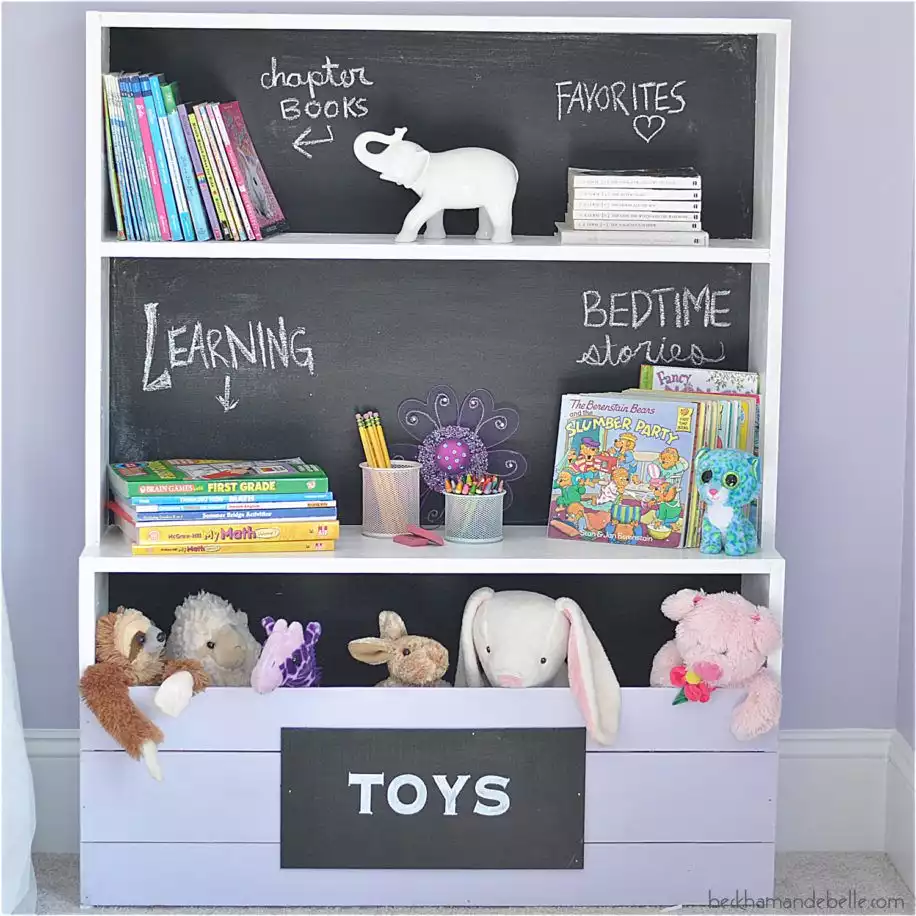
<point>622,470</point>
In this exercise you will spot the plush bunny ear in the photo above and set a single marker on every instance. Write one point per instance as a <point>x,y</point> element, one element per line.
<point>676,606</point>
<point>468,672</point>
<point>390,625</point>
<point>295,630</point>
<point>766,631</point>
<point>371,650</point>
<point>591,676</point>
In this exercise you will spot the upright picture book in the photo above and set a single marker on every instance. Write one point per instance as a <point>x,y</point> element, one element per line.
<point>622,469</point>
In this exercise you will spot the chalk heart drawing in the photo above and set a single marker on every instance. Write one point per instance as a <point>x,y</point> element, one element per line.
<point>653,124</point>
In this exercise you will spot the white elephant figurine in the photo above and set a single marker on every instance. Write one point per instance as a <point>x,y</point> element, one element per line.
<point>525,639</point>
<point>459,179</point>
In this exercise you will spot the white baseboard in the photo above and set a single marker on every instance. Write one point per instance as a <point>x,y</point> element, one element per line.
<point>832,790</point>
<point>901,802</point>
<point>840,790</point>
<point>54,756</point>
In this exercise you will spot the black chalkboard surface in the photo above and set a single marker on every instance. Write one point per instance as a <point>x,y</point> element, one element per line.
<point>547,101</point>
<point>270,359</point>
<point>432,798</point>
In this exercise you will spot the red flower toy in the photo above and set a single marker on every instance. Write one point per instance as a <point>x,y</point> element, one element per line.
<point>696,683</point>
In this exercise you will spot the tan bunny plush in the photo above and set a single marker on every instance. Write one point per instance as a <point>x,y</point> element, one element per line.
<point>413,661</point>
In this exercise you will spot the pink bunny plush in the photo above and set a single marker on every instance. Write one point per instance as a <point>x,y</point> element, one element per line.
<point>725,635</point>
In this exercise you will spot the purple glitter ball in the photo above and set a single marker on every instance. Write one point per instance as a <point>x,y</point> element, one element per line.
<point>452,456</point>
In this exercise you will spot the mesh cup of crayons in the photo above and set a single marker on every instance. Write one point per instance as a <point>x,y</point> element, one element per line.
<point>474,509</point>
<point>391,489</point>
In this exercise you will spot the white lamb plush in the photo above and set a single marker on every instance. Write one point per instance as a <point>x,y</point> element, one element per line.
<point>208,628</point>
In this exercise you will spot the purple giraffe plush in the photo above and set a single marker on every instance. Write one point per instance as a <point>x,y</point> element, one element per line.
<point>288,656</point>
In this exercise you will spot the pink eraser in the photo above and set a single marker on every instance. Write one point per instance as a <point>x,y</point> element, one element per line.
<point>410,540</point>
<point>425,533</point>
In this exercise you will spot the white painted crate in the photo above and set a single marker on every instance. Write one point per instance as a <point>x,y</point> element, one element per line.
<point>672,809</point>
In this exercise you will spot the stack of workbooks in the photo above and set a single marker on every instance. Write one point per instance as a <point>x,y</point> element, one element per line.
<point>637,207</point>
<point>182,173</point>
<point>623,470</point>
<point>198,506</point>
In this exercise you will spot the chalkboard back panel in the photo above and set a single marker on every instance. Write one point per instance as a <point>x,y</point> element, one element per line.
<point>547,101</point>
<point>198,366</point>
<point>624,611</point>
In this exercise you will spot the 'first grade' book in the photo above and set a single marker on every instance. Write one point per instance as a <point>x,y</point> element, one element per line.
<point>622,469</point>
<point>190,475</point>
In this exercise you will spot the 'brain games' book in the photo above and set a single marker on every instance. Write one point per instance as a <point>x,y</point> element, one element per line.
<point>622,469</point>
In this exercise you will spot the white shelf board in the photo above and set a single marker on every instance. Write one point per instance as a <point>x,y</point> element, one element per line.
<point>297,245</point>
<point>525,549</point>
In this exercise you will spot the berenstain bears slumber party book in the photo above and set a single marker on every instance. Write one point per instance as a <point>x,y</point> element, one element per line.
<point>622,470</point>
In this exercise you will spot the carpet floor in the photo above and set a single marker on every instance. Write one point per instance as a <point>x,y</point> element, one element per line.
<point>868,881</point>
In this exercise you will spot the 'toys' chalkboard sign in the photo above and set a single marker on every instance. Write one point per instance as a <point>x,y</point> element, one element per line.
<point>270,359</point>
<point>547,101</point>
<point>432,798</point>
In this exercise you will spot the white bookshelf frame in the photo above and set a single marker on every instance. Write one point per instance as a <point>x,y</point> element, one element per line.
<point>524,549</point>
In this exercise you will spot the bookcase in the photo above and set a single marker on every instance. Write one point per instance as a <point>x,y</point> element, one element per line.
<point>677,810</point>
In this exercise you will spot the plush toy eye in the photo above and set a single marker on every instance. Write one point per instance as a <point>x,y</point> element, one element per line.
<point>405,652</point>
<point>488,648</point>
<point>706,476</point>
<point>731,481</point>
<point>141,638</point>
<point>543,661</point>
<point>211,644</point>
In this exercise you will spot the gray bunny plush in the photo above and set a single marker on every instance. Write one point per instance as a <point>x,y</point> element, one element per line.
<point>413,661</point>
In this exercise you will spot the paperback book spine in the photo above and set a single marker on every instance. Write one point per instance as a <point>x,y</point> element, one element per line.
<point>634,181</point>
<point>214,514</point>
<point>162,165</point>
<point>199,172</point>
<point>139,162</point>
<point>233,532</point>
<point>181,202</point>
<point>604,237</point>
<point>197,488</point>
<point>251,218</point>
<point>231,548</point>
<point>124,160</point>
<point>113,182</point>
<point>629,223</point>
<point>581,193</point>
<point>635,206</point>
<point>149,156</point>
<point>216,165</point>
<point>185,165</point>
<point>203,502</point>
<point>210,171</point>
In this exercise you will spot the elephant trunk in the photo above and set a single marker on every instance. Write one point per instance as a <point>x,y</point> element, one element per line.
<point>372,160</point>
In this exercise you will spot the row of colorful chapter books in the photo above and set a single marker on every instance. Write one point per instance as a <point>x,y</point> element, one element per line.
<point>200,506</point>
<point>179,172</point>
<point>634,207</point>
<point>623,470</point>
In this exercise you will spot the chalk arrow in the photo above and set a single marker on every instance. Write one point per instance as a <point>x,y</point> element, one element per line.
<point>300,142</point>
<point>225,400</point>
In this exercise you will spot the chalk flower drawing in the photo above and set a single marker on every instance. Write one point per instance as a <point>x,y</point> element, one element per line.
<point>457,439</point>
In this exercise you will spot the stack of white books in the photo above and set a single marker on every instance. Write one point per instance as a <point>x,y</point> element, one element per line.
<point>635,207</point>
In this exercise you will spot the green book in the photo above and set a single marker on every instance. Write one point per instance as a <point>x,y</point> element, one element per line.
<point>205,476</point>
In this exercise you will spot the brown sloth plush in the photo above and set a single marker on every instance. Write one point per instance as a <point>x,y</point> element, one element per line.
<point>129,652</point>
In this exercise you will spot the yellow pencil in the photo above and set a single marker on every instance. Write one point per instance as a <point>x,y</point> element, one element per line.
<point>376,440</point>
<point>381,439</point>
<point>367,442</point>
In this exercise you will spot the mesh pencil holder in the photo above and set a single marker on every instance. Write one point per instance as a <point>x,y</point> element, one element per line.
<point>474,519</point>
<point>391,498</point>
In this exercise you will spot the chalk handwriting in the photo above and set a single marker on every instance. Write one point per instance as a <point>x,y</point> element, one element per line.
<point>327,78</point>
<point>611,354</point>
<point>223,348</point>
<point>643,102</point>
<point>660,308</point>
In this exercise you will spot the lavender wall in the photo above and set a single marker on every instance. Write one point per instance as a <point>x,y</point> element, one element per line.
<point>848,269</point>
